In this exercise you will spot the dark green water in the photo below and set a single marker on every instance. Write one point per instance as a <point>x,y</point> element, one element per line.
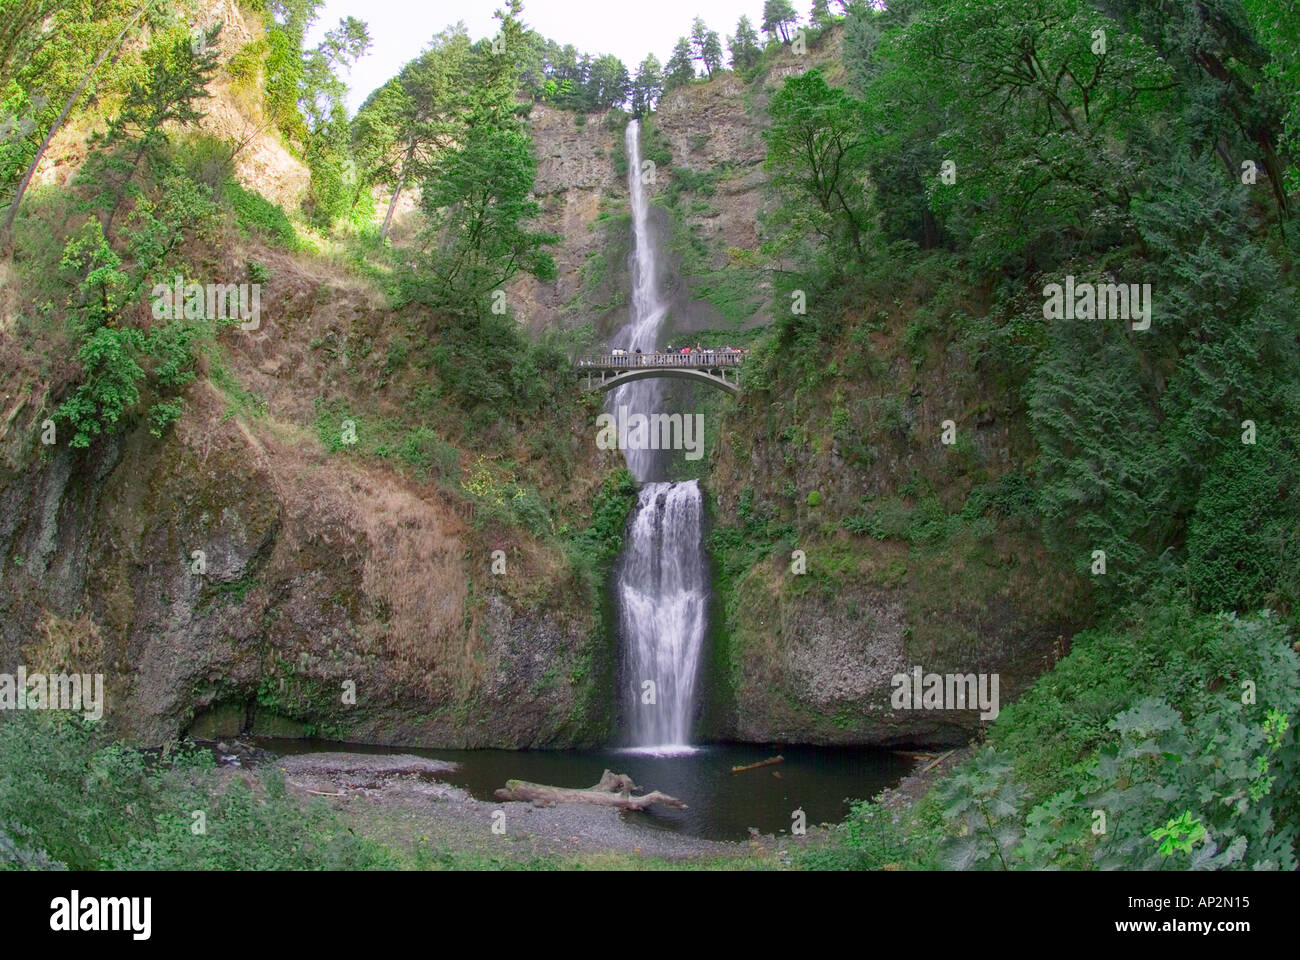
<point>722,805</point>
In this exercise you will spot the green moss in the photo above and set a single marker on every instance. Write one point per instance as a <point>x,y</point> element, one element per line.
<point>221,720</point>
<point>605,282</point>
<point>734,288</point>
<point>219,594</point>
<point>267,723</point>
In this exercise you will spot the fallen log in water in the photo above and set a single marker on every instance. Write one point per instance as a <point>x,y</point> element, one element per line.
<point>614,790</point>
<point>762,763</point>
<point>938,760</point>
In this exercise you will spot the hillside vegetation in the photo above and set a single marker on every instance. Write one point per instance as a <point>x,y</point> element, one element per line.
<point>364,503</point>
<point>365,472</point>
<point>976,155</point>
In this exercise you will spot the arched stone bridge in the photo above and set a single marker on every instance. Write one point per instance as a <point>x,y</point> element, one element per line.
<point>607,371</point>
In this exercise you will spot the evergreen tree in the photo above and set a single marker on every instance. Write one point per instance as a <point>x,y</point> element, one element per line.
<point>322,88</point>
<point>285,77</point>
<point>648,86</point>
<point>322,102</point>
<point>562,73</point>
<point>699,34</point>
<point>608,84</point>
<point>495,68</point>
<point>1219,59</point>
<point>477,192</point>
<point>711,52</point>
<point>178,75</point>
<point>50,52</point>
<point>820,16</point>
<point>744,46</point>
<point>680,69</point>
<point>581,82</point>
<point>399,127</point>
<point>778,17</point>
<point>1281,37</point>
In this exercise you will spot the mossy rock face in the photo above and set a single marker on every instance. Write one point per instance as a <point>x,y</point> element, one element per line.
<point>314,572</point>
<point>267,723</point>
<point>836,453</point>
<point>223,720</point>
<point>810,658</point>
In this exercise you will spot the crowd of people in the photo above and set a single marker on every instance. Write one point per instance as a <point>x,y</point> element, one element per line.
<point>704,353</point>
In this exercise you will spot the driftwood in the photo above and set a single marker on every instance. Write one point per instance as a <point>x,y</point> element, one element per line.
<point>614,790</point>
<point>762,763</point>
<point>938,760</point>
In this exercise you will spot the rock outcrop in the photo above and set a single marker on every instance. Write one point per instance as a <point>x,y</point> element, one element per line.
<point>236,564</point>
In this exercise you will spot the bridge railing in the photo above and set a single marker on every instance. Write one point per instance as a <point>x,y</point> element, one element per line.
<point>699,360</point>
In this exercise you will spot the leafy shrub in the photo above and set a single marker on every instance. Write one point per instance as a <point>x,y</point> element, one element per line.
<point>110,387</point>
<point>1009,497</point>
<point>1241,542</point>
<point>592,551</point>
<point>927,522</point>
<point>70,797</point>
<point>984,802</point>
<point>243,831</point>
<point>424,449</point>
<point>339,429</point>
<point>119,362</point>
<point>258,272</point>
<point>204,159</point>
<point>254,212</point>
<point>66,792</point>
<point>529,511</point>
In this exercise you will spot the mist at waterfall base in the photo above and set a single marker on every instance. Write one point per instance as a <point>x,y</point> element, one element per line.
<point>661,579</point>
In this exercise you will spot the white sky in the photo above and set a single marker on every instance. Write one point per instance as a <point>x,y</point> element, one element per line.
<point>629,29</point>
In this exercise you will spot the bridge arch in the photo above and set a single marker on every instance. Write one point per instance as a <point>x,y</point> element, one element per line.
<point>605,384</point>
<point>604,373</point>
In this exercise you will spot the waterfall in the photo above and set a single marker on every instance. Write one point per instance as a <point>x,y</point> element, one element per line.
<point>660,579</point>
<point>648,311</point>
<point>661,590</point>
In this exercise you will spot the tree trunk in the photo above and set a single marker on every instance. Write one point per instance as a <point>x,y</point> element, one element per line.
<point>6,230</point>
<point>392,204</point>
<point>762,763</point>
<point>614,790</point>
<point>121,190</point>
